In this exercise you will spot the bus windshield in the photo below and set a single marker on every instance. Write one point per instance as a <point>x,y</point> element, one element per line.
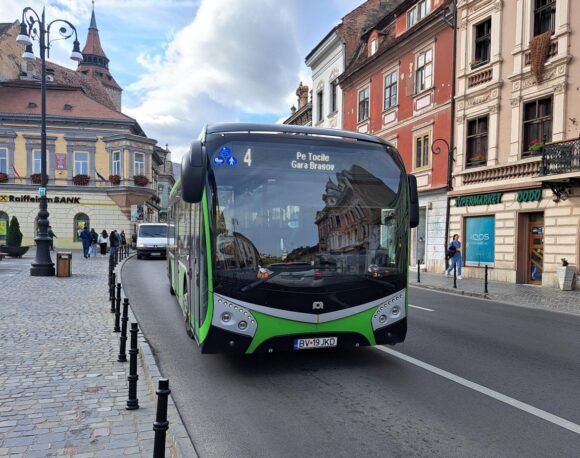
<point>308,216</point>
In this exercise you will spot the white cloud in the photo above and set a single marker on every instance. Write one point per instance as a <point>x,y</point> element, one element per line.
<point>234,58</point>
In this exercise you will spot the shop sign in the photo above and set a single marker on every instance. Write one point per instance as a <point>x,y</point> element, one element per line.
<point>480,241</point>
<point>35,199</point>
<point>479,199</point>
<point>530,195</point>
<point>60,161</point>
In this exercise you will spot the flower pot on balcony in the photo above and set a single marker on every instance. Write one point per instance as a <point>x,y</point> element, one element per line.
<point>3,177</point>
<point>566,275</point>
<point>35,178</point>
<point>141,180</point>
<point>81,180</point>
<point>115,180</point>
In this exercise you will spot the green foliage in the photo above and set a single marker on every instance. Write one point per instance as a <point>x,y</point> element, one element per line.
<point>14,236</point>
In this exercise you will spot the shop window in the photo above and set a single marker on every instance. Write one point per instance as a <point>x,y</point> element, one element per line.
<point>479,241</point>
<point>482,44</point>
<point>424,73</point>
<point>3,226</point>
<point>477,131</point>
<point>363,105</point>
<point>80,222</point>
<point>537,125</point>
<point>422,145</point>
<point>390,90</point>
<point>544,16</point>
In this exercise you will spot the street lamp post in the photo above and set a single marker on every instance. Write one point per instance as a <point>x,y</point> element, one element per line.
<point>34,27</point>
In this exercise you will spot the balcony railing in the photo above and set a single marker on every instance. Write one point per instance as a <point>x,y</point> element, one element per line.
<point>561,157</point>
<point>553,51</point>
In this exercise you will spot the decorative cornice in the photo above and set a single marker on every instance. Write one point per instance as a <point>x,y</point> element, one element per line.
<point>129,137</point>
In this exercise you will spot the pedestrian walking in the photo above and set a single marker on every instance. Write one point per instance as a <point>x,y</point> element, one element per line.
<point>134,241</point>
<point>102,241</point>
<point>123,239</point>
<point>86,240</point>
<point>52,236</point>
<point>454,256</point>
<point>114,242</point>
<point>94,240</point>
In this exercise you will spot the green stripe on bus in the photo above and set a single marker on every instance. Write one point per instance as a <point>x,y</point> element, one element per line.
<point>269,327</point>
<point>204,329</point>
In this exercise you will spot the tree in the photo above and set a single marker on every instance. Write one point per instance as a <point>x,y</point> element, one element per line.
<point>14,236</point>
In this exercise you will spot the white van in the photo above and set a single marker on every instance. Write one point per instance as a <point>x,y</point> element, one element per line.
<point>151,240</point>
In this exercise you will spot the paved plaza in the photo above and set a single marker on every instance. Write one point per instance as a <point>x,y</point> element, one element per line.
<point>522,295</point>
<point>62,391</point>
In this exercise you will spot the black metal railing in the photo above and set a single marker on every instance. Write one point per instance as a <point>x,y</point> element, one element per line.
<point>561,157</point>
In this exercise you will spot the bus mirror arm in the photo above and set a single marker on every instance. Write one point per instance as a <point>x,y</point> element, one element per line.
<point>193,173</point>
<point>413,202</point>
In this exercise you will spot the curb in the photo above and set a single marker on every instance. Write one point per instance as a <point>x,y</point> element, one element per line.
<point>180,443</point>
<point>458,292</point>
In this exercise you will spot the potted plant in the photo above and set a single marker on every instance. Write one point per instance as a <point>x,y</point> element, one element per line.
<point>535,146</point>
<point>3,177</point>
<point>35,178</point>
<point>115,180</point>
<point>13,246</point>
<point>141,180</point>
<point>81,179</point>
<point>566,274</point>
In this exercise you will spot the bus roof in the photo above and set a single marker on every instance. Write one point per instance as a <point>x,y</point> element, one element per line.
<point>290,129</point>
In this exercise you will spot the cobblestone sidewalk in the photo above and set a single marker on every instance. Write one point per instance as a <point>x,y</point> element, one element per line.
<point>522,295</point>
<point>62,391</point>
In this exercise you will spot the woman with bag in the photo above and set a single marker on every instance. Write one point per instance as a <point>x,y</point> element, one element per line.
<point>102,241</point>
<point>454,256</point>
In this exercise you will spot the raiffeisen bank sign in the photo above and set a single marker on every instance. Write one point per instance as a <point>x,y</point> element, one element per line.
<point>27,198</point>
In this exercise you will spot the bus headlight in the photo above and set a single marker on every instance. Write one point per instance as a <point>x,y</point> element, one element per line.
<point>389,311</point>
<point>226,317</point>
<point>233,317</point>
<point>242,325</point>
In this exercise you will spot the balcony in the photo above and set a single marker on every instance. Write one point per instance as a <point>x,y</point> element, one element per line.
<point>561,158</point>
<point>552,51</point>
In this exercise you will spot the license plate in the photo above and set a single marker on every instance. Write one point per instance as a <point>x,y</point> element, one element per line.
<point>315,342</point>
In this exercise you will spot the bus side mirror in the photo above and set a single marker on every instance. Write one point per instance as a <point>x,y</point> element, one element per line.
<point>413,201</point>
<point>193,171</point>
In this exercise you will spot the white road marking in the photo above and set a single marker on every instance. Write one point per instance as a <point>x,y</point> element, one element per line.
<point>422,308</point>
<point>487,391</point>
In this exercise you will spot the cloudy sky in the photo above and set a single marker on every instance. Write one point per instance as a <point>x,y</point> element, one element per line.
<point>185,63</point>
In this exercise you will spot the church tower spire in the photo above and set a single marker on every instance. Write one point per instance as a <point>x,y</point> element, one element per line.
<point>95,63</point>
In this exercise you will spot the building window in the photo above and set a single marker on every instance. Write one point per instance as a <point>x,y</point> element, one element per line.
<point>3,160</point>
<point>81,163</point>
<point>333,96</point>
<point>139,164</point>
<point>116,162</point>
<point>363,105</point>
<point>374,47</point>
<point>3,226</point>
<point>320,105</point>
<point>80,221</point>
<point>476,153</point>
<point>418,12</point>
<point>424,78</point>
<point>422,145</point>
<point>36,161</point>
<point>537,125</point>
<point>544,16</point>
<point>390,90</point>
<point>482,44</point>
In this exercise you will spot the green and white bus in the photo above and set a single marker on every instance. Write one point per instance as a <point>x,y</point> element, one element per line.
<point>291,238</point>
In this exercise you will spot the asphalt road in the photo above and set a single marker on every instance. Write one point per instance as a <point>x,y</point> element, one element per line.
<point>367,402</point>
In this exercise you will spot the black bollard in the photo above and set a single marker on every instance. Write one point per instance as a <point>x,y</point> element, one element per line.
<point>133,402</point>
<point>485,283</point>
<point>118,309</point>
<point>161,424</point>
<point>455,276</point>
<point>123,339</point>
<point>418,271</point>
<point>112,293</point>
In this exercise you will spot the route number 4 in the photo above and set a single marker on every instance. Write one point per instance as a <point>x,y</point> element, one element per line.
<point>248,157</point>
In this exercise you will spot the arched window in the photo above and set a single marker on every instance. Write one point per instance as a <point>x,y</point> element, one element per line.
<point>80,222</point>
<point>3,227</point>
